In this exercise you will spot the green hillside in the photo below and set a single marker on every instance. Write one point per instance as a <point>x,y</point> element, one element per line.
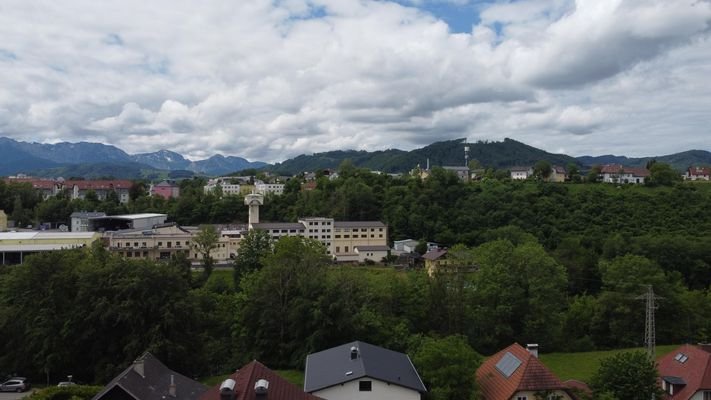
<point>503,154</point>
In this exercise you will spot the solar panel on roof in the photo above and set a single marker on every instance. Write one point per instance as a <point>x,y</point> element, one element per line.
<point>681,357</point>
<point>508,364</point>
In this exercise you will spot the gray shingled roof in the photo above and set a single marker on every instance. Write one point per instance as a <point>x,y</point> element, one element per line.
<point>358,224</point>
<point>278,225</point>
<point>372,248</point>
<point>334,366</point>
<point>154,383</point>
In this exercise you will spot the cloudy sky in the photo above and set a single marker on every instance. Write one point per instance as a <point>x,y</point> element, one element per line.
<point>271,79</point>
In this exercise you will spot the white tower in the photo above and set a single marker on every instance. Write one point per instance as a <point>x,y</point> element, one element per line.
<point>253,200</point>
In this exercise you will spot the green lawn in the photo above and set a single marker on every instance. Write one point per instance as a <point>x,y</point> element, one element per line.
<point>582,366</point>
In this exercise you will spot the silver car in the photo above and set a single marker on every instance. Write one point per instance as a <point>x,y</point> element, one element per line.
<point>17,384</point>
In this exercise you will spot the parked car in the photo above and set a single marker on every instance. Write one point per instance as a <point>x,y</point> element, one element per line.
<point>16,384</point>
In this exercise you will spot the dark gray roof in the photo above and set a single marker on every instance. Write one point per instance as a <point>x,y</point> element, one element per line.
<point>85,214</point>
<point>358,224</point>
<point>278,225</point>
<point>372,248</point>
<point>335,366</point>
<point>674,380</point>
<point>154,383</point>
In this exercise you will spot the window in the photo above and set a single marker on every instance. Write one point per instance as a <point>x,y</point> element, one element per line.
<point>707,395</point>
<point>135,244</point>
<point>160,243</point>
<point>338,236</point>
<point>170,244</point>
<point>521,398</point>
<point>365,386</point>
<point>346,236</point>
<point>338,249</point>
<point>346,249</point>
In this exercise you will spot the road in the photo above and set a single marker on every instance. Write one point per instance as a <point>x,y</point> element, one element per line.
<point>13,395</point>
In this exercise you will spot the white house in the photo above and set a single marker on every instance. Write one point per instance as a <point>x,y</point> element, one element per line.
<point>521,173</point>
<point>616,173</point>
<point>360,371</point>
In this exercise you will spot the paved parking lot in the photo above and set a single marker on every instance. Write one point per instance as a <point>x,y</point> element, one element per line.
<point>13,396</point>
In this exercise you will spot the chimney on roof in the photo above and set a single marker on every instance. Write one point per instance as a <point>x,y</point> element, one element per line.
<point>139,367</point>
<point>354,353</point>
<point>172,388</point>
<point>261,387</point>
<point>227,389</point>
<point>533,349</point>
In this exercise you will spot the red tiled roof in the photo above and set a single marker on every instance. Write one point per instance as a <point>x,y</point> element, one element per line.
<point>695,371</point>
<point>247,376</point>
<point>616,168</point>
<point>36,183</point>
<point>531,375</point>
<point>699,171</point>
<point>100,185</point>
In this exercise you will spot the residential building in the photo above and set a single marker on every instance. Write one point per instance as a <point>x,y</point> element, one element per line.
<point>269,188</point>
<point>166,190</point>
<point>80,220</point>
<point>102,188</point>
<point>15,246</point>
<point>685,373</point>
<point>521,173</point>
<point>616,173</point>
<point>78,189</point>
<point>698,174</point>
<point>226,185</point>
<point>255,381</point>
<point>47,187</point>
<point>435,259</point>
<point>359,370</point>
<point>147,378</point>
<point>558,174</point>
<point>461,172</point>
<point>159,242</point>
<point>517,373</point>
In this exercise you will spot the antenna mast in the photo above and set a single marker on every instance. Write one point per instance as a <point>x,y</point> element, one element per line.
<point>649,325</point>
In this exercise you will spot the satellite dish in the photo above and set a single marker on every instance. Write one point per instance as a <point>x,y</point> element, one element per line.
<point>63,228</point>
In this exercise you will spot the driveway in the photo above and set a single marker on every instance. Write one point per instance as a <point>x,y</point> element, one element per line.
<point>13,395</point>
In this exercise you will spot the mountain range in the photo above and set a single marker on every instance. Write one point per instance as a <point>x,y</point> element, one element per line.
<point>93,160</point>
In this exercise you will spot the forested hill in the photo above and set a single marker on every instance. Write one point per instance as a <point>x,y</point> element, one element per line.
<point>680,161</point>
<point>503,154</point>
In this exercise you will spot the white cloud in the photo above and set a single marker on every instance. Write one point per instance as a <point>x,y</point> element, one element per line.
<point>270,80</point>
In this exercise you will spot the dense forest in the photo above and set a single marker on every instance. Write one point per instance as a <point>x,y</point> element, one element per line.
<point>561,265</point>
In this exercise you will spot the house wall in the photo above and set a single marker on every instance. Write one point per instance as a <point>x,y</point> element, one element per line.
<point>320,229</point>
<point>532,395</point>
<point>381,391</point>
<point>374,255</point>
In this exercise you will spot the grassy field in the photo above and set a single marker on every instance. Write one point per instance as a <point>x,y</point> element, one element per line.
<point>582,366</point>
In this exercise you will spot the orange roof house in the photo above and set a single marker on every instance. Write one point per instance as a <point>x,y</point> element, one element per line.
<point>517,373</point>
<point>685,373</point>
